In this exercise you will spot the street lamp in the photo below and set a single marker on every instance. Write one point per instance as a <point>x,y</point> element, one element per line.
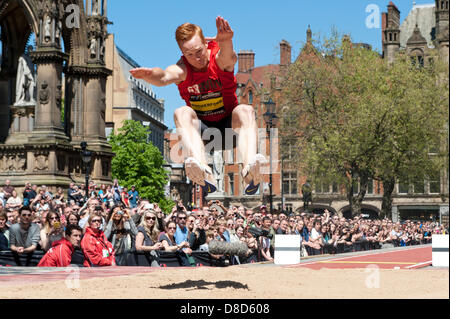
<point>271,120</point>
<point>86,156</point>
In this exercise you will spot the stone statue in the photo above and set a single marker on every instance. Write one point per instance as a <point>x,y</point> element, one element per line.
<point>58,32</point>
<point>93,47</point>
<point>218,170</point>
<point>25,82</point>
<point>47,29</point>
<point>95,8</point>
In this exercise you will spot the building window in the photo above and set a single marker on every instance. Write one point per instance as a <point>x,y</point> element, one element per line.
<point>231,184</point>
<point>290,183</point>
<point>419,187</point>
<point>435,183</point>
<point>250,97</point>
<point>370,186</point>
<point>403,188</point>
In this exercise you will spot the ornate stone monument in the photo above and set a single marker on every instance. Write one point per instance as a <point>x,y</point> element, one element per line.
<point>37,144</point>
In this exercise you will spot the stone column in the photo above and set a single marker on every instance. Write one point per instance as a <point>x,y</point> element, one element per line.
<point>48,109</point>
<point>395,214</point>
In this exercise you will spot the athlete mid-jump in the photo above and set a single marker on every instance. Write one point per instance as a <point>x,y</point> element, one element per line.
<point>205,79</point>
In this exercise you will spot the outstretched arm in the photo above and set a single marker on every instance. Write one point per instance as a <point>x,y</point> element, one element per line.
<point>226,57</point>
<point>156,76</point>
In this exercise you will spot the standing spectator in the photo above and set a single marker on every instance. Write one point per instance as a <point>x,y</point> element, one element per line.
<point>121,231</point>
<point>283,229</point>
<point>133,197</point>
<point>167,239</point>
<point>102,196</point>
<point>109,197</point>
<point>117,192</point>
<point>60,254</point>
<point>222,231</point>
<point>181,234</point>
<point>94,208</point>
<point>72,219</point>
<point>4,232</point>
<point>24,237</point>
<point>265,242</point>
<point>14,201</point>
<point>71,193</point>
<point>97,250</point>
<point>316,238</point>
<point>59,195</point>
<point>26,191</point>
<point>8,189</point>
<point>125,197</point>
<point>52,231</point>
<point>147,237</point>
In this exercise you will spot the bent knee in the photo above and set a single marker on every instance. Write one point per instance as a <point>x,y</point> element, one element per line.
<point>244,112</point>
<point>184,114</point>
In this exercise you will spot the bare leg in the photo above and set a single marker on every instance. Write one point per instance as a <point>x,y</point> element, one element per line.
<point>244,124</point>
<point>187,124</point>
<point>196,166</point>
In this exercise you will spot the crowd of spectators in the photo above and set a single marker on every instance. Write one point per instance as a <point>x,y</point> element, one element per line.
<point>100,228</point>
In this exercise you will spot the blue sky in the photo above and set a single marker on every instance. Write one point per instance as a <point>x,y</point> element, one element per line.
<point>146,29</point>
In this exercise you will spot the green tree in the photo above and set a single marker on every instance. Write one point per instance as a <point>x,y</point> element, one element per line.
<point>140,163</point>
<point>358,118</point>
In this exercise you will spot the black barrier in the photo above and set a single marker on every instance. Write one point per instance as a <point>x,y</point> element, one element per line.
<point>12,259</point>
<point>144,259</point>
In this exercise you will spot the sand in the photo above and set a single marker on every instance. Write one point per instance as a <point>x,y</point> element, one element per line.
<point>244,282</point>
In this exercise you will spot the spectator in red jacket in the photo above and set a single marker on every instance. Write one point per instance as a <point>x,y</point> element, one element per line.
<point>98,251</point>
<point>60,255</point>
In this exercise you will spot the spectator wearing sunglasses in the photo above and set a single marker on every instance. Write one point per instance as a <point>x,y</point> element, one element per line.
<point>148,235</point>
<point>168,239</point>
<point>98,251</point>
<point>51,231</point>
<point>24,237</point>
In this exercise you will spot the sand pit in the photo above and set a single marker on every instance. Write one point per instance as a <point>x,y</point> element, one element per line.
<point>241,282</point>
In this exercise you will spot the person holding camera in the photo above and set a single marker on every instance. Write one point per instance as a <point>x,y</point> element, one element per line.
<point>93,208</point>
<point>121,231</point>
<point>51,231</point>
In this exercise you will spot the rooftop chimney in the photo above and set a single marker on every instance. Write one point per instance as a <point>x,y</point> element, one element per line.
<point>285,53</point>
<point>246,61</point>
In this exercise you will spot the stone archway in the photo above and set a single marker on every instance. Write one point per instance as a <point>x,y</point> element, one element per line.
<point>36,134</point>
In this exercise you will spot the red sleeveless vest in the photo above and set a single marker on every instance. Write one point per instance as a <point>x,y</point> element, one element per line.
<point>211,94</point>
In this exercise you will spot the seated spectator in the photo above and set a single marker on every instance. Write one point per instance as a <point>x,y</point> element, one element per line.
<point>4,232</point>
<point>167,239</point>
<point>61,252</point>
<point>121,232</point>
<point>7,189</point>
<point>52,231</point>
<point>14,201</point>
<point>98,251</point>
<point>24,237</point>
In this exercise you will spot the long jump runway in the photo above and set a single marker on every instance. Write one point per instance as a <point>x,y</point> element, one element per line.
<point>396,258</point>
<point>403,258</point>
